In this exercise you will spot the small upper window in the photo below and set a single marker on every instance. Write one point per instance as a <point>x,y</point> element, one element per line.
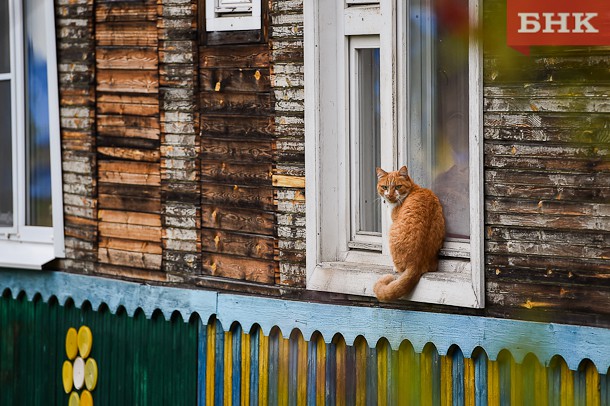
<point>233,15</point>
<point>31,217</point>
<point>392,83</point>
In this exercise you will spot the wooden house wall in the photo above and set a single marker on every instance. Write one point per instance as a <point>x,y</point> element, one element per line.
<point>184,159</point>
<point>237,160</point>
<point>547,178</point>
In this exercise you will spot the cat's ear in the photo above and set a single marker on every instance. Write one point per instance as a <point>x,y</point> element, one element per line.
<point>380,173</point>
<point>403,172</point>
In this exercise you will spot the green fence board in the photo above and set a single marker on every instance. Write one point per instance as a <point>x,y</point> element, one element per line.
<point>140,361</point>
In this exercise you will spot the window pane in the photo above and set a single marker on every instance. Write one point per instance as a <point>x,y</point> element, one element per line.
<point>439,77</point>
<point>38,169</point>
<point>5,61</point>
<point>6,158</point>
<point>369,135</point>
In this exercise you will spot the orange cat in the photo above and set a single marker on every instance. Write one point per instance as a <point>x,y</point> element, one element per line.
<point>416,234</point>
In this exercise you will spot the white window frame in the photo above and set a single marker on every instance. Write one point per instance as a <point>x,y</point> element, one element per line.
<point>23,246</point>
<point>232,15</point>
<point>331,265</point>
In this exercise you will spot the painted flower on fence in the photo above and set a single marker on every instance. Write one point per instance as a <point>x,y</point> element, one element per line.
<point>79,372</point>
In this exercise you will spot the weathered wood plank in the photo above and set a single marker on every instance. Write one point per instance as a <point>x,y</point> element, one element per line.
<point>548,207</point>
<point>141,105</point>
<point>126,58</point>
<point>252,197</point>
<point>250,127</point>
<point>237,173</point>
<point>146,247</point>
<point>129,154</point>
<point>559,192</point>
<point>127,81</point>
<point>251,56</point>
<point>241,268</point>
<point>129,217</point>
<point>535,297</point>
<point>130,273</point>
<point>128,11</point>
<point>549,221</point>
<point>243,220</point>
<point>129,231</point>
<point>130,258</point>
<point>128,126</point>
<point>236,151</point>
<point>553,275</point>
<point>126,202</point>
<point>236,103</point>
<point>247,245</point>
<point>130,34</point>
<point>235,80</point>
<point>137,173</point>
<point>534,179</point>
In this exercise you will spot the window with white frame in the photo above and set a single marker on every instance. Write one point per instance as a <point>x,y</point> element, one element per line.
<point>392,83</point>
<point>233,15</point>
<point>31,211</point>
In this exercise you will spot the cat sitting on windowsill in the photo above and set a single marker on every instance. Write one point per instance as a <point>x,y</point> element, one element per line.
<point>416,234</point>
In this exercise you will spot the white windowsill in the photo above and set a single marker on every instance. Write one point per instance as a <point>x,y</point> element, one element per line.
<point>450,285</point>
<point>25,255</point>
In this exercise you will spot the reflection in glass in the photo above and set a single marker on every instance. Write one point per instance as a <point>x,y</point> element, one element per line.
<point>5,61</point>
<point>38,168</point>
<point>369,136</point>
<point>439,46</point>
<point>6,158</point>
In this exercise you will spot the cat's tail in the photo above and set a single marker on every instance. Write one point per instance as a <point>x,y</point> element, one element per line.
<point>388,287</point>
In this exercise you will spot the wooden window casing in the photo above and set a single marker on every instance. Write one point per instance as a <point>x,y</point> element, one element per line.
<point>35,235</point>
<point>335,261</point>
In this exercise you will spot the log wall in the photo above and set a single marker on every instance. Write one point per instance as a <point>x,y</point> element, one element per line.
<point>238,152</point>
<point>183,159</point>
<point>128,136</point>
<point>547,178</point>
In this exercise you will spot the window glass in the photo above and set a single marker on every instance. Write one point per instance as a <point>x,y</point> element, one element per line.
<point>6,159</point>
<point>438,147</point>
<point>369,135</point>
<point>38,166</point>
<point>5,61</point>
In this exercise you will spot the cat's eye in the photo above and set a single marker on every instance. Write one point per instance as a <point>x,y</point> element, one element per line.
<point>384,187</point>
<point>398,187</point>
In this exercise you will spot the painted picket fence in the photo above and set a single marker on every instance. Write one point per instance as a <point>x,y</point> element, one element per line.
<point>250,368</point>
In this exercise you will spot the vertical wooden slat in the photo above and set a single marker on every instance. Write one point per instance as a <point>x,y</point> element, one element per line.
<point>255,360</point>
<point>283,371</point>
<point>504,361</point>
<point>245,362</point>
<point>219,367</point>
<point>382,372</point>
<point>350,374</point>
<point>202,347</point>
<point>210,363</point>
<point>341,373</point>
<point>264,363</point>
<point>302,363</point>
<point>592,385</point>
<point>371,376</point>
<point>446,380</point>
<point>274,363</point>
<point>458,377</point>
<point>567,385</point>
<point>320,382</point>
<point>493,383</point>
<point>541,390</point>
<point>331,374</point>
<point>360,347</point>
<point>293,367</point>
<point>236,336</point>
<point>312,371</point>
<point>516,383</point>
<point>469,382</point>
<point>426,376</point>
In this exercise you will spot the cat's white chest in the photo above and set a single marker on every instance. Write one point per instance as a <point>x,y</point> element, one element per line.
<point>389,208</point>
